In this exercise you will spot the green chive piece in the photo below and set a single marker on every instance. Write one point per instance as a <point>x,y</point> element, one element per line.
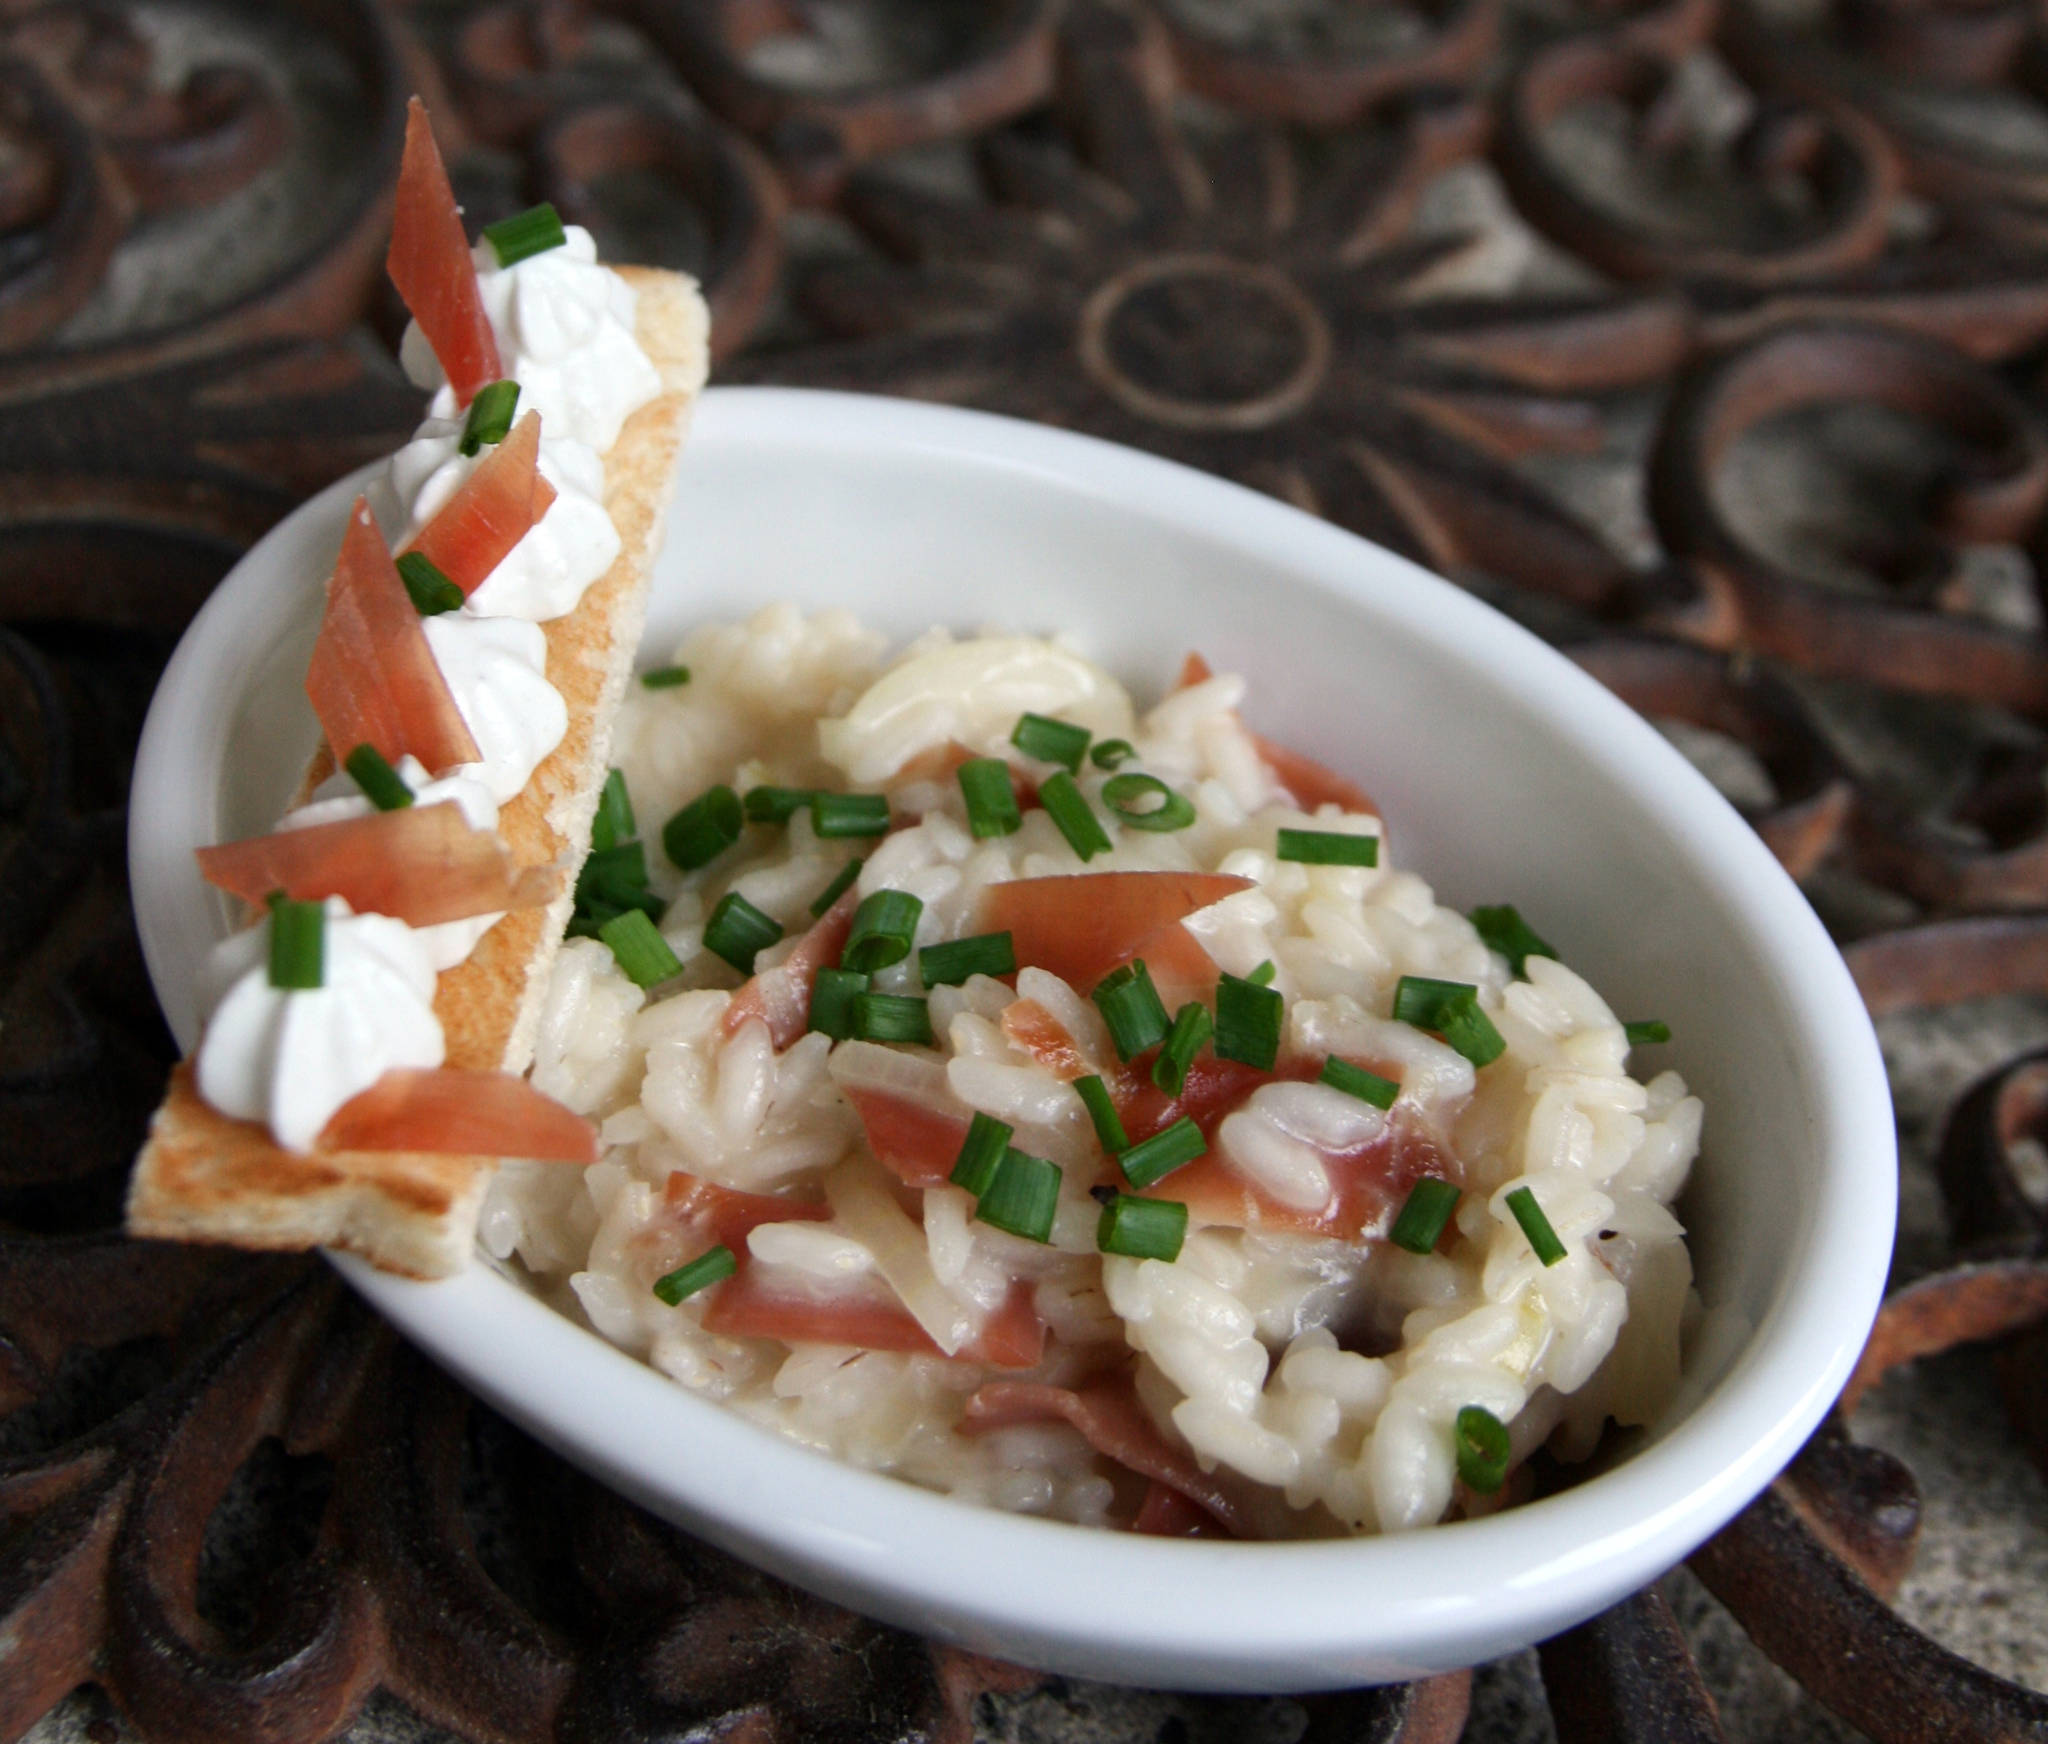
<point>382,785</point>
<point>1023,1196</point>
<point>713,1266</point>
<point>298,944</point>
<point>1451,1008</point>
<point>892,1017</point>
<point>1501,928</point>
<point>1192,1027</point>
<point>1162,1153</point>
<point>1483,1449</point>
<point>525,234</point>
<point>833,992</point>
<point>1327,848</point>
<point>490,417</point>
<point>1142,1229</point>
<point>1068,807</point>
<point>703,829</point>
<point>850,814</point>
<point>774,805</point>
<point>1649,1031</point>
<point>1131,797</point>
<point>1109,1126</point>
<point>1263,975</point>
<point>1357,1081</point>
<point>842,882</point>
<point>1542,1238</point>
<point>981,1153</point>
<point>984,954</point>
<point>1427,1209</point>
<point>665,677</point>
<point>615,878</point>
<point>642,952</point>
<point>991,800</point>
<point>883,927</point>
<point>739,932</point>
<point>431,591</point>
<point>1132,1008</point>
<point>1249,1016</point>
<point>1112,753</point>
<point>1051,741</point>
<point>613,823</point>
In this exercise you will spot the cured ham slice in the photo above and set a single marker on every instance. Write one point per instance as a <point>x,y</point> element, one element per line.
<point>430,264</point>
<point>1028,1025</point>
<point>916,1143</point>
<point>748,1306</point>
<point>1166,1513</point>
<point>1083,925</point>
<point>483,1114</point>
<point>1309,783</point>
<point>781,997</point>
<point>728,1216</point>
<point>373,680</point>
<point>1111,1421</point>
<point>422,865</point>
<point>491,511</point>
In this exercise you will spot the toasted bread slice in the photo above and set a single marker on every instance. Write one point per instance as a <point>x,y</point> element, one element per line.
<point>203,1176</point>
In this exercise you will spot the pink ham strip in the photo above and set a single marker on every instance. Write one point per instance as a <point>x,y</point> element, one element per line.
<point>781,997</point>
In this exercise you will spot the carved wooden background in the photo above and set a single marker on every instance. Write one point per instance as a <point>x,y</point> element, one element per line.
<point>1759,261</point>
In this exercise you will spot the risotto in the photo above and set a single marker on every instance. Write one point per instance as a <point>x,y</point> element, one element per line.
<point>1081,1112</point>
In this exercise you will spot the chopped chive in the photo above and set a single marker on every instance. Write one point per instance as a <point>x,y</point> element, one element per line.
<point>1248,1021</point>
<point>1263,975</point>
<point>1649,1031</point>
<point>382,785</point>
<point>832,995</point>
<point>984,954</point>
<point>1451,1008</point>
<point>1542,1238</point>
<point>525,234</point>
<point>739,932</point>
<point>1327,848</point>
<point>613,823</point>
<point>842,882</point>
<point>1022,1197</point>
<point>1112,753</point>
<point>1132,1008</point>
<point>1501,928</point>
<point>883,927</point>
<point>490,417</point>
<point>298,943</point>
<point>713,1266</point>
<point>1162,1153</point>
<point>1068,807</point>
<point>431,591</point>
<point>703,829</point>
<point>1109,1126</point>
<point>1051,741</point>
<point>991,800</point>
<point>1142,1229</point>
<point>1483,1449</point>
<point>665,677</point>
<point>892,1017</point>
<point>642,952</point>
<point>1130,797</point>
<point>614,877</point>
<point>850,814</point>
<point>981,1153</point>
<point>1357,1081</point>
<point>1192,1027</point>
<point>774,805</point>
<point>1428,1208</point>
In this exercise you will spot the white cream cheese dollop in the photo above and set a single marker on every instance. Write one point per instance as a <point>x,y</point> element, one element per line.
<point>496,670</point>
<point>290,1058</point>
<point>338,798</point>
<point>554,563</point>
<point>565,329</point>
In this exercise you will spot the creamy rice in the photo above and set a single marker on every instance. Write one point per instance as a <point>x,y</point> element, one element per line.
<point>1292,1376</point>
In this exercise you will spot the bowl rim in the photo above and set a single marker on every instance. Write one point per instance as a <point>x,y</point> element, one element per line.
<point>1289,1614</point>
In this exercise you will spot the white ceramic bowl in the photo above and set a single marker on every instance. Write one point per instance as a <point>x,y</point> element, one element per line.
<point>1505,774</point>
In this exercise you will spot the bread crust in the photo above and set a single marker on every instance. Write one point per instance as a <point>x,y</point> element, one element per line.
<point>204,1176</point>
